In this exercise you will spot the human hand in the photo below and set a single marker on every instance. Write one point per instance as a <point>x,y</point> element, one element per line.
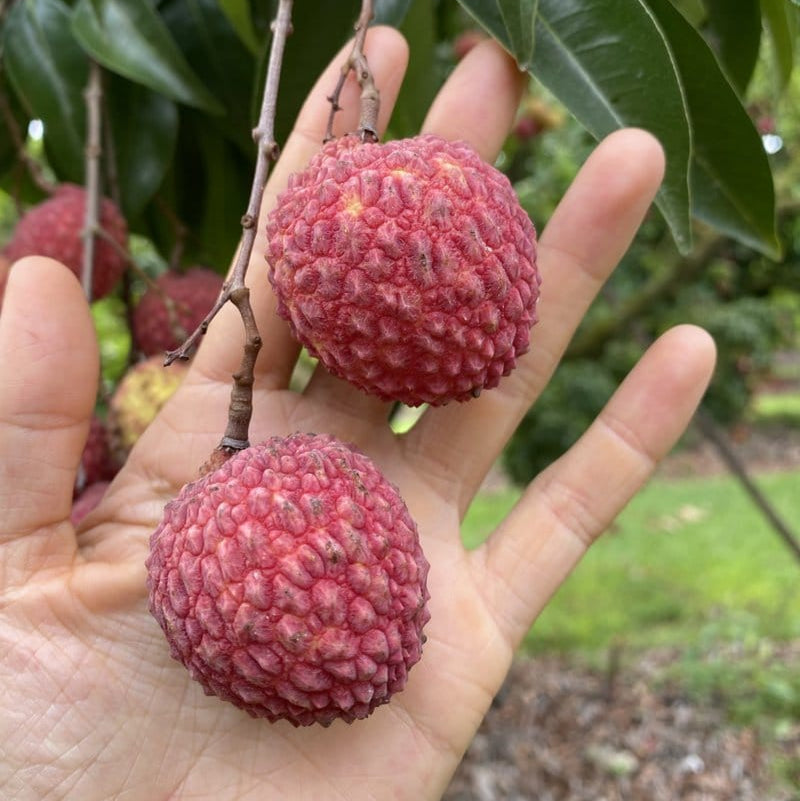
<point>93,705</point>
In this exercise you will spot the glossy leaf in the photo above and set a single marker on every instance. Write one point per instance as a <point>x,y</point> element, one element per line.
<point>610,65</point>
<point>240,19</point>
<point>519,17</point>
<point>735,33</point>
<point>216,54</point>
<point>780,21</point>
<point>130,38</point>
<point>393,12</point>
<point>420,82</point>
<point>49,72</point>
<point>8,146</point>
<point>730,177</point>
<point>144,128</point>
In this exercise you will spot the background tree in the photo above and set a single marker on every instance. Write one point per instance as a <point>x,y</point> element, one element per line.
<point>181,82</point>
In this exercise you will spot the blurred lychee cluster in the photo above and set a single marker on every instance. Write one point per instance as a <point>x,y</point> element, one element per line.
<point>158,307</point>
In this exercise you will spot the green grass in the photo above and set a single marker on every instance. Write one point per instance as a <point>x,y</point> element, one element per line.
<point>776,408</point>
<point>687,559</point>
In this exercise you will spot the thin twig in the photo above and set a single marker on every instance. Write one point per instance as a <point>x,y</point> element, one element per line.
<point>179,230</point>
<point>93,95</point>
<point>370,97</point>
<point>240,411</point>
<point>709,429</point>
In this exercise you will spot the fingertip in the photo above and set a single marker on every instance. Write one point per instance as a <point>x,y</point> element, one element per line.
<point>636,155</point>
<point>695,345</point>
<point>487,78</point>
<point>45,318</point>
<point>41,274</point>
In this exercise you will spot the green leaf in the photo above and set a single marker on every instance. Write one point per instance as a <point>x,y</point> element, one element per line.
<point>128,37</point>
<point>519,17</point>
<point>393,12</point>
<point>610,65</point>
<point>730,176</point>
<point>780,22</point>
<point>735,34</point>
<point>144,129</point>
<point>238,14</point>
<point>49,72</point>
<point>216,54</point>
<point>8,147</point>
<point>420,83</point>
<point>206,188</point>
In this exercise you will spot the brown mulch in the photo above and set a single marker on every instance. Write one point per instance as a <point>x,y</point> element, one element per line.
<point>559,731</point>
<point>761,449</point>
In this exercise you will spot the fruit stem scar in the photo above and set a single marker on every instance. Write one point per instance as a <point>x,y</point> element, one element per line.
<point>370,97</point>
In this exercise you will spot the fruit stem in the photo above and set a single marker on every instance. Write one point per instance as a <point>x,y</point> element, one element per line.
<point>241,406</point>
<point>370,96</point>
<point>93,95</point>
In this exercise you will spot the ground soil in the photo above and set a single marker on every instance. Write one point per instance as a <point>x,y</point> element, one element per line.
<point>560,730</point>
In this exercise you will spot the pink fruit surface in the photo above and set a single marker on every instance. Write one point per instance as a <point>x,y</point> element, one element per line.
<point>290,581</point>
<point>408,268</point>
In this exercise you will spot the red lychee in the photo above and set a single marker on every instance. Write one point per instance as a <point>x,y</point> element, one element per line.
<point>5,266</point>
<point>290,581</point>
<point>87,501</point>
<point>158,328</point>
<point>408,268</point>
<point>97,463</point>
<point>466,41</point>
<point>54,228</point>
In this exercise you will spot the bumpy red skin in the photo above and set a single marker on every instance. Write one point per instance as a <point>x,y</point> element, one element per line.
<point>97,463</point>
<point>408,268</point>
<point>193,292</point>
<point>291,582</point>
<point>53,228</point>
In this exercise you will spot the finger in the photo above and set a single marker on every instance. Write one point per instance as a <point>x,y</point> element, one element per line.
<point>572,502</point>
<point>579,248</point>
<point>220,354</point>
<point>486,78</point>
<point>49,365</point>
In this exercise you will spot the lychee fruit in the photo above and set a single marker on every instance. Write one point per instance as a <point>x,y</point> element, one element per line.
<point>97,462</point>
<point>466,41</point>
<point>290,581</point>
<point>408,268</point>
<point>139,397</point>
<point>87,501</point>
<point>160,325</point>
<point>5,266</point>
<point>54,228</point>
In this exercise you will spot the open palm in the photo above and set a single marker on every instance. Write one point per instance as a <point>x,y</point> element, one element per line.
<point>92,705</point>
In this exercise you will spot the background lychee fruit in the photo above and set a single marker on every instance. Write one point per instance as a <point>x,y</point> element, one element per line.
<point>97,462</point>
<point>408,268</point>
<point>466,41</point>
<point>192,295</point>
<point>87,501</point>
<point>290,581</point>
<point>54,228</point>
<point>5,266</point>
<point>138,398</point>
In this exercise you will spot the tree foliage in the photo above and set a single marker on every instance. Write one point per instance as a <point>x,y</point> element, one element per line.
<point>182,84</point>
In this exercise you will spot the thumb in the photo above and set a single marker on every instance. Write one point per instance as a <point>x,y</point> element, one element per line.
<point>49,366</point>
